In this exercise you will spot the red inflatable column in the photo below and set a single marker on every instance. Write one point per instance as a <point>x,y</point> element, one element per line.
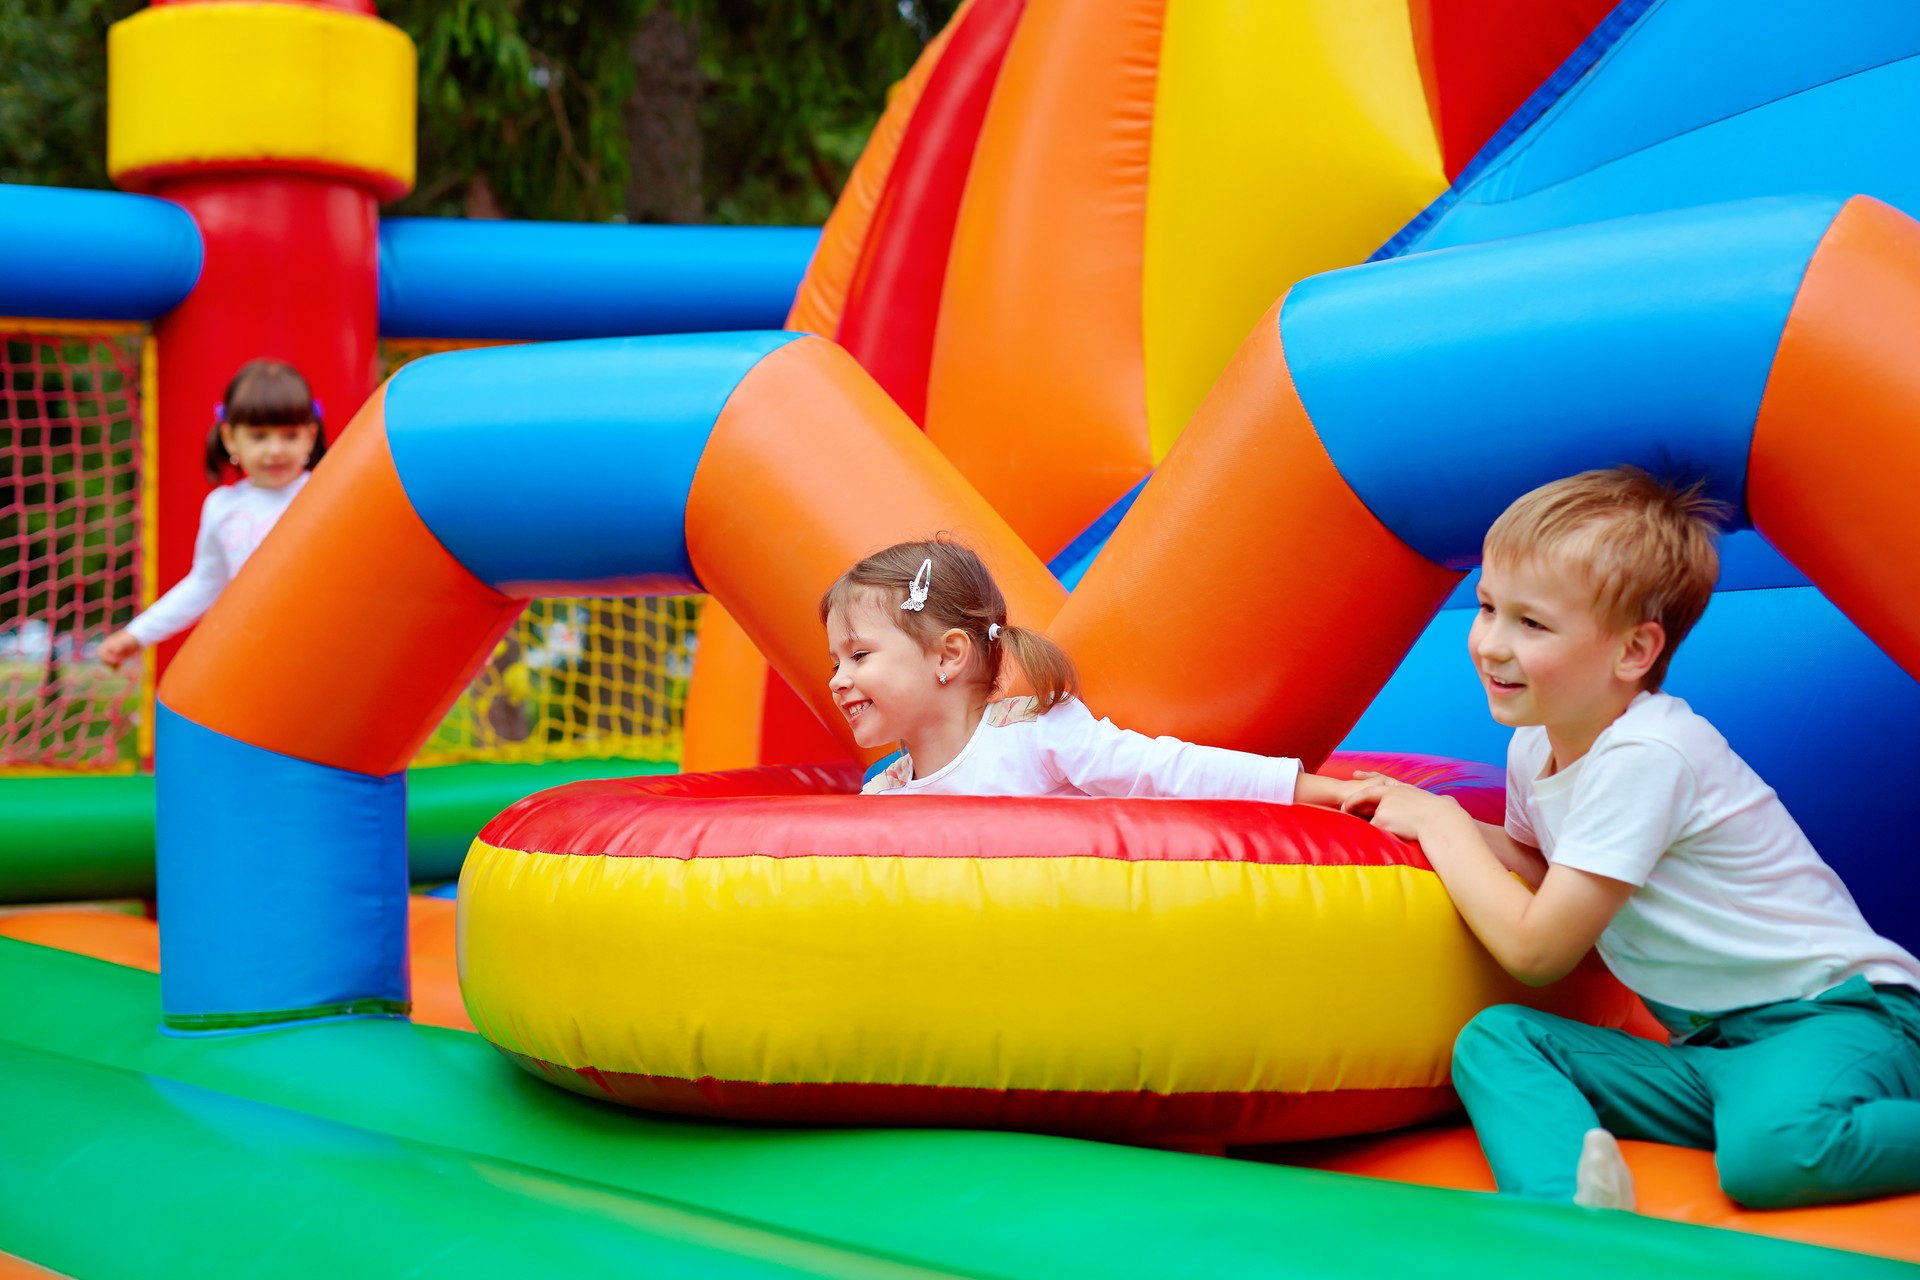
<point>286,192</point>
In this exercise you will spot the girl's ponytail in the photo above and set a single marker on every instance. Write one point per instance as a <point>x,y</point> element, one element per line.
<point>216,454</point>
<point>1045,664</point>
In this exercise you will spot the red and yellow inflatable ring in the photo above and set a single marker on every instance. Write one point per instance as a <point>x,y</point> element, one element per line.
<point>1164,971</point>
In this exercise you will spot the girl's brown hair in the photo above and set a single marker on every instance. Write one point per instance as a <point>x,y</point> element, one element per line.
<point>265,393</point>
<point>961,596</point>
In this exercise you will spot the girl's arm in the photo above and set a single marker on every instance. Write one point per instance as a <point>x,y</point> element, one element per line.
<point>193,595</point>
<point>1538,937</point>
<point>1103,760</point>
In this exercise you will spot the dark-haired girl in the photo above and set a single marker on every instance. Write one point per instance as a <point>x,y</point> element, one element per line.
<point>918,635</point>
<point>268,429</point>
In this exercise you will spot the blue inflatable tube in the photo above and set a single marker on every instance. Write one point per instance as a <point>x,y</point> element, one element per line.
<point>220,864</point>
<point>1644,340</point>
<point>459,278</point>
<point>95,255</point>
<point>616,427</point>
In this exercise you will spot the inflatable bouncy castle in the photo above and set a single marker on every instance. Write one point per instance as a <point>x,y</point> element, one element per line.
<point>1222,332</point>
<point>124,317</point>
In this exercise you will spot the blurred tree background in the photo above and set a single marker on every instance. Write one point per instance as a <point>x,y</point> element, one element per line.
<point>725,111</point>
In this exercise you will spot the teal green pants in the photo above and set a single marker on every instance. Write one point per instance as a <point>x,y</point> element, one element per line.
<point>1803,1102</point>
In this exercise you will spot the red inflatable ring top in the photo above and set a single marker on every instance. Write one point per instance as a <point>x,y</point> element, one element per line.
<point>1171,971</point>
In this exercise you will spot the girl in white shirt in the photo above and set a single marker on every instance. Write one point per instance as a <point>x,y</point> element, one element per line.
<point>267,428</point>
<point>918,638</point>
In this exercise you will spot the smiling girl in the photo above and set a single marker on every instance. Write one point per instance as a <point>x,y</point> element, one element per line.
<point>268,428</point>
<point>919,643</point>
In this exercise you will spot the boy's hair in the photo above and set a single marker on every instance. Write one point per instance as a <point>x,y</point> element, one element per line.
<point>265,393</point>
<point>961,595</point>
<point>1646,547</point>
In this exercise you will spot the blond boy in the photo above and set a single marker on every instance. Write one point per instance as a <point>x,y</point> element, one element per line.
<point>1795,1051</point>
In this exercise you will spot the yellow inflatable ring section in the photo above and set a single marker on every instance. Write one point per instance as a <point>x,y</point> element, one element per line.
<point>1161,971</point>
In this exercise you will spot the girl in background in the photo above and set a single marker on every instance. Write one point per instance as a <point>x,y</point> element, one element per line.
<point>269,429</point>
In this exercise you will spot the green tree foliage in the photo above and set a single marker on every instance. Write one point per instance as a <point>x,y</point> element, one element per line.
<point>520,105</point>
<point>521,100</point>
<point>793,88</point>
<point>53,95</point>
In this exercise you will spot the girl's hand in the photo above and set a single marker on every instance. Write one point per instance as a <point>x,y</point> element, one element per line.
<point>118,647</point>
<point>1363,795</point>
<point>1328,793</point>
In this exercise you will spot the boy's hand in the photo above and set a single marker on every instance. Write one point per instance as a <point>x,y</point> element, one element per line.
<point>1365,792</point>
<point>1396,807</point>
<point>1536,936</point>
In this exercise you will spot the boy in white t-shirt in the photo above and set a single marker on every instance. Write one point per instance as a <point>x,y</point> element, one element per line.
<point>1795,1051</point>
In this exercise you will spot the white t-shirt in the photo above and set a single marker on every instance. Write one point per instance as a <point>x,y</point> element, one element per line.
<point>1017,751</point>
<point>1734,907</point>
<point>233,522</point>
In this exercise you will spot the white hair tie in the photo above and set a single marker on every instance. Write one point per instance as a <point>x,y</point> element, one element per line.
<point>917,590</point>
<point>993,631</point>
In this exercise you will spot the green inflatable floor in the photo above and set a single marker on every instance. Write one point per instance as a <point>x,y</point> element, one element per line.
<point>380,1148</point>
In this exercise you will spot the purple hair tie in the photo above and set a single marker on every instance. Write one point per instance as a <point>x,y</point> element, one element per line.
<point>318,413</point>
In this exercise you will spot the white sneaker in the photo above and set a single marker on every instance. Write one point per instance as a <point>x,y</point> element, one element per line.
<point>1603,1180</point>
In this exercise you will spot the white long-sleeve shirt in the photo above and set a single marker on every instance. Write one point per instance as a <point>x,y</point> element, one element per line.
<point>233,521</point>
<point>1017,751</point>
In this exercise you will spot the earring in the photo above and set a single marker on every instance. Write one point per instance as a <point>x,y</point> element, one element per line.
<point>234,458</point>
<point>943,677</point>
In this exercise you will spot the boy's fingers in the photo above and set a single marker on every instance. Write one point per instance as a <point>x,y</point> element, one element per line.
<point>1369,796</point>
<point>1383,810</point>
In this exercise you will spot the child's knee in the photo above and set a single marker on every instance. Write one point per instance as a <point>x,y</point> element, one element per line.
<point>1492,1039</point>
<point>1785,1166</point>
<point>1500,1030</point>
